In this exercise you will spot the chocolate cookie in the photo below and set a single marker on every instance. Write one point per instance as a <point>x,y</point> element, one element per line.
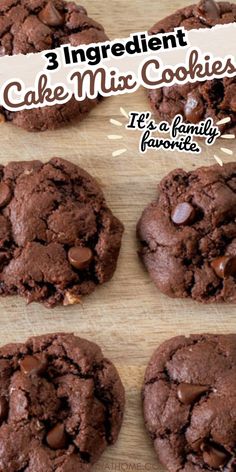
<point>58,238</point>
<point>189,403</point>
<point>30,26</point>
<point>188,234</point>
<point>61,404</point>
<point>200,100</point>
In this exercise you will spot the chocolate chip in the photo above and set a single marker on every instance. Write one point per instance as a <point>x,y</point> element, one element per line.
<point>2,117</point>
<point>209,9</point>
<point>214,457</point>
<point>50,16</point>
<point>188,393</point>
<point>56,438</point>
<point>197,445</point>
<point>31,365</point>
<point>194,108</point>
<point>5,194</point>
<point>224,266</point>
<point>183,214</point>
<point>3,409</point>
<point>80,257</point>
<point>3,259</point>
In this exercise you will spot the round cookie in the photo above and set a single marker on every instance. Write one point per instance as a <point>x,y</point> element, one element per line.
<point>188,234</point>
<point>31,26</point>
<point>200,100</point>
<point>58,238</point>
<point>189,403</point>
<point>61,404</point>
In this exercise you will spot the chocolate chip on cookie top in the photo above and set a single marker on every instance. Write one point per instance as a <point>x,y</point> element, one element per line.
<point>189,403</point>
<point>188,234</point>
<point>61,404</point>
<point>58,238</point>
<point>31,26</point>
<point>200,100</point>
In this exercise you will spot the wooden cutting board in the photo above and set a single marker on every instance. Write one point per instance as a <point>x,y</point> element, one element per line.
<point>128,317</point>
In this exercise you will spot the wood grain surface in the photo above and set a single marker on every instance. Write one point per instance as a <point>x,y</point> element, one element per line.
<point>128,317</point>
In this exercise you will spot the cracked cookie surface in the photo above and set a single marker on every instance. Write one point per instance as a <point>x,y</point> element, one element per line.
<point>58,238</point>
<point>188,234</point>
<point>197,101</point>
<point>189,403</point>
<point>61,404</point>
<point>30,26</point>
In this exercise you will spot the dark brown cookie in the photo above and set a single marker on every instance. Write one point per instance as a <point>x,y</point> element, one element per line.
<point>189,403</point>
<point>58,238</point>
<point>61,404</point>
<point>200,100</point>
<point>188,234</point>
<point>30,26</point>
